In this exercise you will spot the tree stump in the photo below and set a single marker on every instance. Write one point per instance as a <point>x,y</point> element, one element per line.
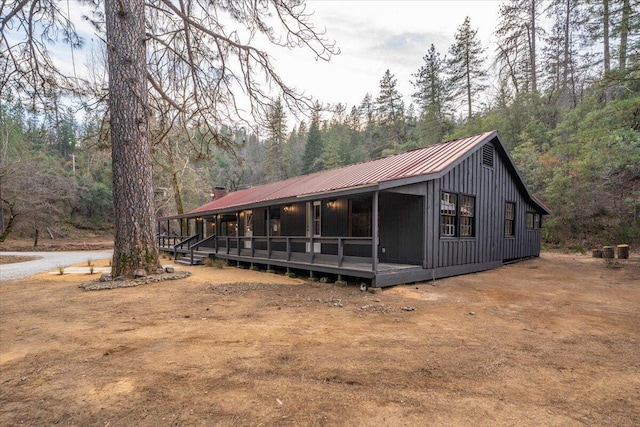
<point>623,251</point>
<point>608,252</point>
<point>596,253</point>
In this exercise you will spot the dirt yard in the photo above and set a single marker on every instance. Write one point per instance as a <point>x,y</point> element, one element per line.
<point>551,341</point>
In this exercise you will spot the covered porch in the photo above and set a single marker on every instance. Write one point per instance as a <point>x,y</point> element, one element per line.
<point>347,236</point>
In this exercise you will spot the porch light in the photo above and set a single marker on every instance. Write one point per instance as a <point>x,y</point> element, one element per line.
<point>288,208</point>
<point>332,203</point>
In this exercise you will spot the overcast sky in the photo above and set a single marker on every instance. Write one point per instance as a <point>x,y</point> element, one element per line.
<point>373,36</point>
<point>376,35</point>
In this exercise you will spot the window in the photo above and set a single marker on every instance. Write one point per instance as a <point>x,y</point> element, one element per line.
<point>229,228</point>
<point>360,210</point>
<point>509,219</point>
<point>248,223</point>
<point>274,225</point>
<point>533,220</point>
<point>448,214</point>
<point>457,215</point>
<point>467,214</point>
<point>209,226</point>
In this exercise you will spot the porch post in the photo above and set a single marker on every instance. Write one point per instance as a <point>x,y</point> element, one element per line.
<point>268,231</point>
<point>238,232</point>
<point>425,233</point>
<point>374,233</point>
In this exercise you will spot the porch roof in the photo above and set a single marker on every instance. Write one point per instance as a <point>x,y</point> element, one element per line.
<point>361,177</point>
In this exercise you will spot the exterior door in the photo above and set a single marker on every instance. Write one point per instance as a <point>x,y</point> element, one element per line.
<point>401,228</point>
<point>248,228</point>
<point>314,224</point>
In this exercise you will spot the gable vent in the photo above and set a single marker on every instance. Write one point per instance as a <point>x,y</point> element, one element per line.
<point>487,155</point>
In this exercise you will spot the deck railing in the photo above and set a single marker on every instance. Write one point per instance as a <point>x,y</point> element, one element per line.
<point>165,241</point>
<point>196,245</point>
<point>284,247</point>
<point>185,242</point>
<point>332,250</point>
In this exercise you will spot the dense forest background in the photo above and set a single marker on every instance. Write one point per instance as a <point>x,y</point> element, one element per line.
<point>564,96</point>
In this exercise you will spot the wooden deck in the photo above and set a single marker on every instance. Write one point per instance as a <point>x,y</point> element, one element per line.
<point>385,274</point>
<point>340,265</point>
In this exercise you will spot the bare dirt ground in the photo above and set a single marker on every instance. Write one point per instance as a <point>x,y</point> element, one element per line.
<point>87,242</point>
<point>550,341</point>
<point>11,259</point>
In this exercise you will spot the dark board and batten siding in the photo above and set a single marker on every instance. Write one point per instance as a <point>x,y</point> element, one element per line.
<point>401,228</point>
<point>408,225</point>
<point>492,187</point>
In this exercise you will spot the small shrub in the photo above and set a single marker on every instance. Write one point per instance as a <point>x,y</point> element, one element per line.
<point>219,263</point>
<point>340,283</point>
<point>208,262</point>
<point>291,275</point>
<point>89,262</point>
<point>61,270</point>
<point>91,269</point>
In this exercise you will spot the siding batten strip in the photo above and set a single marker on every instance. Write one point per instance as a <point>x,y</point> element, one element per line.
<point>374,233</point>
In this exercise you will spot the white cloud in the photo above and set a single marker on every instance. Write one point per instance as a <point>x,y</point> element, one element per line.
<point>378,35</point>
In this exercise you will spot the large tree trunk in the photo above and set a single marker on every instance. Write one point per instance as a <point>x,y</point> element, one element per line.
<point>532,48</point>
<point>566,45</point>
<point>134,215</point>
<point>624,34</point>
<point>605,36</point>
<point>468,86</point>
<point>607,51</point>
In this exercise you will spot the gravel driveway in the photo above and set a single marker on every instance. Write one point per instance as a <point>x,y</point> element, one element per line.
<point>47,261</point>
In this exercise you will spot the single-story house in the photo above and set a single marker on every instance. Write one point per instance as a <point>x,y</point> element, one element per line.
<point>452,208</point>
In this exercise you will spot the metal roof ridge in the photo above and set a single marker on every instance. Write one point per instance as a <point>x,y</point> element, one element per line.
<point>434,159</point>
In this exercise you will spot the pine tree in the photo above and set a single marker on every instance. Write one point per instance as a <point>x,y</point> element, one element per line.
<point>390,106</point>
<point>431,86</point>
<point>367,113</point>
<point>277,155</point>
<point>516,52</point>
<point>314,147</point>
<point>390,109</point>
<point>466,64</point>
<point>567,68</point>
<point>171,51</point>
<point>432,95</point>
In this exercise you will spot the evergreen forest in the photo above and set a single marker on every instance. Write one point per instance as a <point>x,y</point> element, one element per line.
<point>562,89</point>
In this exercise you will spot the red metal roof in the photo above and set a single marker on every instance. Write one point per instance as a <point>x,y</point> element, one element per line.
<point>422,161</point>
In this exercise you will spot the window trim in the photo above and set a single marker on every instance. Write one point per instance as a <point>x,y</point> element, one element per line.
<point>369,201</point>
<point>536,221</point>
<point>457,218</point>
<point>473,216</point>
<point>513,220</point>
<point>449,216</point>
<point>316,218</point>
